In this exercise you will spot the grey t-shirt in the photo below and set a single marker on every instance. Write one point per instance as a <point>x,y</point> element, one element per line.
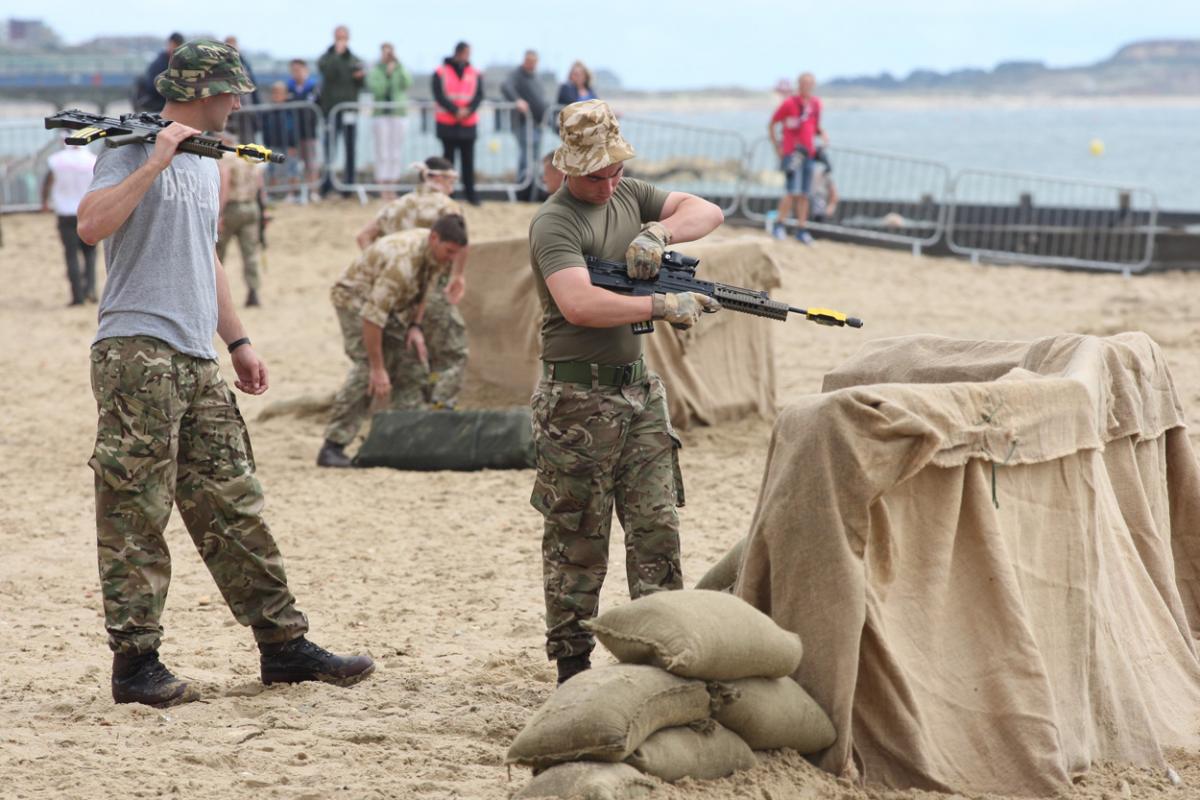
<point>161,271</point>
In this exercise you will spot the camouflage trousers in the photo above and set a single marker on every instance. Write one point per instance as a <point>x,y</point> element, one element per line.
<point>596,448</point>
<point>446,338</point>
<point>170,432</point>
<point>351,405</point>
<point>240,221</point>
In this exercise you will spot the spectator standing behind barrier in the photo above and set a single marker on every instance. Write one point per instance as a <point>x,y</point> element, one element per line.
<point>444,327</point>
<point>342,76</point>
<point>458,91</point>
<point>525,90</point>
<point>280,132</point>
<point>380,303</point>
<point>169,432</point>
<point>66,183</point>
<point>551,175</point>
<point>389,82</point>
<point>823,198</point>
<point>600,423</point>
<point>241,213</point>
<point>302,88</point>
<point>146,97</point>
<point>578,85</point>
<point>800,118</point>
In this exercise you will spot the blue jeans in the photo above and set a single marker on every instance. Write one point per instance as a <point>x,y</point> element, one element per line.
<point>797,172</point>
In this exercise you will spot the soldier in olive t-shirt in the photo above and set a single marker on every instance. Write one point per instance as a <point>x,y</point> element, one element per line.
<point>564,228</point>
<point>600,425</point>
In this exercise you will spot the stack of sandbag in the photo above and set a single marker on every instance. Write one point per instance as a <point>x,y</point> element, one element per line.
<point>703,682</point>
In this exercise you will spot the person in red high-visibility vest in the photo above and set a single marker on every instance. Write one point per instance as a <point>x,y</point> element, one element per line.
<point>458,91</point>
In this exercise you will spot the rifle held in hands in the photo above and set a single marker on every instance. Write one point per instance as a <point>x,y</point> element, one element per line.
<point>678,274</point>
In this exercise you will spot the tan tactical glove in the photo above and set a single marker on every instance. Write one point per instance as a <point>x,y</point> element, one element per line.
<point>644,255</point>
<point>683,310</point>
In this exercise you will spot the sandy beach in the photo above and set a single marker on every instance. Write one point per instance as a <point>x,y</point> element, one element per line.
<point>436,575</point>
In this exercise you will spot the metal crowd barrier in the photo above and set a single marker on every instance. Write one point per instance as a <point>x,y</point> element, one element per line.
<point>1062,222</point>
<point>415,139</point>
<point>296,129</point>
<point>676,157</point>
<point>24,147</point>
<point>863,194</point>
<point>983,214</point>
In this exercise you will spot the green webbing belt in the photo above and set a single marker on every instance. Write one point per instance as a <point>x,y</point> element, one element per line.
<point>604,374</point>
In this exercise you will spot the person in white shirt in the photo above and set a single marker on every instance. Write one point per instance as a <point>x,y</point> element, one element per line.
<point>66,183</point>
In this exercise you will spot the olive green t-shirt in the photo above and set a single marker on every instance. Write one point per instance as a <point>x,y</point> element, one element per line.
<point>563,231</point>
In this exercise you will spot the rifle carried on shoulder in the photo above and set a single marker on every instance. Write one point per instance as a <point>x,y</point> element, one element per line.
<point>144,126</point>
<point>678,274</point>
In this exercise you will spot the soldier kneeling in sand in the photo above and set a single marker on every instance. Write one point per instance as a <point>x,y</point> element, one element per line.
<point>444,327</point>
<point>380,304</point>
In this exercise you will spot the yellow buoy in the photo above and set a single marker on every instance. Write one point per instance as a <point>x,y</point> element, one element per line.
<point>494,146</point>
<point>1096,147</point>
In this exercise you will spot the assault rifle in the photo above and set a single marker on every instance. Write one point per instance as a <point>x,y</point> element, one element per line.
<point>144,126</point>
<point>678,274</point>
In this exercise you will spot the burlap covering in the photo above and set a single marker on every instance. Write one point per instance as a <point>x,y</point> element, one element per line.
<point>993,566</point>
<point>721,370</point>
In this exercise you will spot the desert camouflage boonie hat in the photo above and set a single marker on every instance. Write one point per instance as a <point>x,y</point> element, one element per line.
<point>203,68</point>
<point>591,139</point>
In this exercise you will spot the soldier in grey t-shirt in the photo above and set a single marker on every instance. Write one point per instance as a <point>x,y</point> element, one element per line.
<point>169,430</point>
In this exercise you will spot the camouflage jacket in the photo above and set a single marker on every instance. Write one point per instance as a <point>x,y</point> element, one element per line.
<point>420,208</point>
<point>389,278</point>
<point>242,186</point>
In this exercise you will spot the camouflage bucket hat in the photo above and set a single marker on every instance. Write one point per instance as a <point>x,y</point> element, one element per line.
<point>591,139</point>
<point>203,68</point>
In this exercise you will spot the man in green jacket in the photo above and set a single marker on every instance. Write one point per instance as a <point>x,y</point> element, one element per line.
<point>342,76</point>
<point>388,83</point>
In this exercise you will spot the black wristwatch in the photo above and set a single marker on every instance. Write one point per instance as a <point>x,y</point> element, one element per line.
<point>236,343</point>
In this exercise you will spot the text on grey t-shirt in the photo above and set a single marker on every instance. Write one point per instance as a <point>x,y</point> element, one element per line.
<point>161,270</point>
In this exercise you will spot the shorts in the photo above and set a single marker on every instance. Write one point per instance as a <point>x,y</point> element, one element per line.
<point>797,172</point>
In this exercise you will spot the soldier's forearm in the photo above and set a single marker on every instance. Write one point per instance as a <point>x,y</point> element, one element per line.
<point>229,325</point>
<point>373,344</point>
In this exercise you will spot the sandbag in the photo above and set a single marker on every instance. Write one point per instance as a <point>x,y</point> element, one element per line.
<point>723,575</point>
<point>603,714</point>
<point>450,440</point>
<point>584,780</point>
<point>702,752</point>
<point>770,713</point>
<point>696,633</point>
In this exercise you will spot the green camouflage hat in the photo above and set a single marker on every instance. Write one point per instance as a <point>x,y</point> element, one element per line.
<point>591,139</point>
<point>203,68</point>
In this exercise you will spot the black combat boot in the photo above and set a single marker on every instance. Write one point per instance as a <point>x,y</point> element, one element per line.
<point>570,666</point>
<point>300,660</point>
<point>252,299</point>
<point>144,679</point>
<point>333,455</point>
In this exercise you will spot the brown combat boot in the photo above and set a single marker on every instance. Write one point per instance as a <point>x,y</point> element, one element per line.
<point>300,660</point>
<point>143,679</point>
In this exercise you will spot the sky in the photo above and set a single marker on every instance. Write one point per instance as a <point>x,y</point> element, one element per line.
<point>664,44</point>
